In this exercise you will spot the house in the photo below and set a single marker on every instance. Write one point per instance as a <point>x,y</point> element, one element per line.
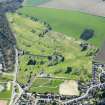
<point>1,67</point>
<point>1,60</point>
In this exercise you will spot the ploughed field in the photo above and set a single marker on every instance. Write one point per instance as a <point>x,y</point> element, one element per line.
<point>47,54</point>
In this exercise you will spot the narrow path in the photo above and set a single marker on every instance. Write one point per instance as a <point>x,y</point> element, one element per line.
<point>12,102</point>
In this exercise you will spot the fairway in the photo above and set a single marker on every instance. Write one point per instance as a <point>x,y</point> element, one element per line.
<point>71,23</point>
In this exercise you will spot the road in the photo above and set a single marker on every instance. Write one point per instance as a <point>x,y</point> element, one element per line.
<point>12,101</point>
<point>14,80</point>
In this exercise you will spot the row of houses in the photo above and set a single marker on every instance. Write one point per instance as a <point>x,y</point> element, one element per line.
<point>1,61</point>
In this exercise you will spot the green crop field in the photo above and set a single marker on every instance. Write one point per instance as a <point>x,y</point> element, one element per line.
<point>34,2</point>
<point>5,78</point>
<point>71,23</point>
<point>6,94</point>
<point>45,85</point>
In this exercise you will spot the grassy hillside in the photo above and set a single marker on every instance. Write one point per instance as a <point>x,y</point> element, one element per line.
<point>71,23</point>
<point>51,44</point>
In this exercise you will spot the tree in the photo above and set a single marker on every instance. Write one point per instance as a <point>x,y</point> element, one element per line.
<point>69,69</point>
<point>87,34</point>
<point>54,103</point>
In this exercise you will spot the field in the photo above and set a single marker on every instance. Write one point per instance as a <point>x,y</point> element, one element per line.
<point>67,89</point>
<point>6,78</point>
<point>34,2</point>
<point>3,102</point>
<point>5,94</point>
<point>71,23</point>
<point>39,48</point>
<point>46,85</point>
<point>94,7</point>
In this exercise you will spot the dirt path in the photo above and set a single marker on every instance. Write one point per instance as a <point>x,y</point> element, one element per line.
<point>95,7</point>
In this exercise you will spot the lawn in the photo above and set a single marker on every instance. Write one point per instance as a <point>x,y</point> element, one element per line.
<point>71,23</point>
<point>6,94</point>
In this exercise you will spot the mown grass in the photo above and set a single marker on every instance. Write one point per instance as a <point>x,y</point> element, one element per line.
<point>71,23</point>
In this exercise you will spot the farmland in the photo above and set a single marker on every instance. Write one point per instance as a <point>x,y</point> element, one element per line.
<point>6,78</point>
<point>34,2</point>
<point>93,7</point>
<point>46,85</point>
<point>71,23</point>
<point>40,50</point>
<point>6,93</point>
